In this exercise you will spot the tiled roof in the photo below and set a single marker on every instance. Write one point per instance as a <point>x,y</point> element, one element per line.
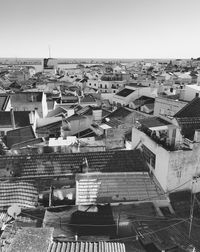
<point>120,113</point>
<point>19,135</point>
<point>61,164</point>
<point>192,109</point>
<point>21,118</point>
<point>88,98</point>
<point>22,193</point>
<point>31,239</point>
<point>80,246</point>
<point>153,122</point>
<point>125,92</point>
<point>94,188</point>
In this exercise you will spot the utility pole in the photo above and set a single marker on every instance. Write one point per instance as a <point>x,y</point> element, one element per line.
<point>193,197</point>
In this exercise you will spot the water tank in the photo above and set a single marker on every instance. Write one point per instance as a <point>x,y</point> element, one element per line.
<point>97,114</point>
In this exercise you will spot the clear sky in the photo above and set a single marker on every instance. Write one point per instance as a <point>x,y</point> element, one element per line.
<point>100,28</point>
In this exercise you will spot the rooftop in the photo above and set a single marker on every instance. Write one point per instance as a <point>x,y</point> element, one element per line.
<point>125,92</point>
<point>21,118</point>
<point>19,135</point>
<point>192,109</point>
<point>81,246</point>
<point>94,188</point>
<point>45,165</point>
<point>58,111</point>
<point>26,97</point>
<point>88,98</point>
<point>22,193</point>
<point>31,239</point>
<point>152,122</point>
<point>120,112</point>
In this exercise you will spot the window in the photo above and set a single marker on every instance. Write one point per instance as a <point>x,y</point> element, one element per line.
<point>162,111</point>
<point>149,156</point>
<point>2,133</point>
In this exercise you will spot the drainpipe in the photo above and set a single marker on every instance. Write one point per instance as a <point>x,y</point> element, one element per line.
<point>12,118</point>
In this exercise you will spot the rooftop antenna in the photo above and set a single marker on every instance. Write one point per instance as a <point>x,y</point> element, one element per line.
<point>49,51</point>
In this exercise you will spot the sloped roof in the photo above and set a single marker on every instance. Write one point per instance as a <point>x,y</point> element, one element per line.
<point>57,112</point>
<point>120,112</point>
<point>125,92</point>
<point>19,135</point>
<point>88,98</point>
<point>96,188</point>
<point>143,100</point>
<point>86,133</point>
<point>87,246</point>
<point>29,143</point>
<point>31,239</point>
<point>54,164</point>
<point>192,109</point>
<point>22,193</point>
<point>21,118</point>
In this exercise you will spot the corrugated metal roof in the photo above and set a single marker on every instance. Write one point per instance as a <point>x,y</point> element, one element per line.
<point>87,247</point>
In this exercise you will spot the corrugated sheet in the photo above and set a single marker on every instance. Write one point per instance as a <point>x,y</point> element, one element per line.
<point>116,187</point>
<point>87,247</point>
<point>22,193</point>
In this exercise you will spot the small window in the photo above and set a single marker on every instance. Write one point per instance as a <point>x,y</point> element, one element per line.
<point>149,156</point>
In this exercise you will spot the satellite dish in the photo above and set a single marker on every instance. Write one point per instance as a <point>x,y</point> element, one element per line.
<point>14,210</point>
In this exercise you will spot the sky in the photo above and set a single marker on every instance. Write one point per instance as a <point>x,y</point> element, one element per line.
<point>100,28</point>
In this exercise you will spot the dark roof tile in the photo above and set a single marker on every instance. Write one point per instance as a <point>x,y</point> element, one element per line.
<point>125,92</point>
<point>19,135</point>
<point>192,109</point>
<point>21,118</point>
<point>54,164</point>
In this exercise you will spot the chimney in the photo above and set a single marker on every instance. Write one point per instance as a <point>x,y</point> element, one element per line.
<point>196,95</point>
<point>12,118</point>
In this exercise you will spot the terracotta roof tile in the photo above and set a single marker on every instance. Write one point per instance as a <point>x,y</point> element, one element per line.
<point>61,164</point>
<point>94,188</point>
<point>22,193</point>
<point>87,246</point>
